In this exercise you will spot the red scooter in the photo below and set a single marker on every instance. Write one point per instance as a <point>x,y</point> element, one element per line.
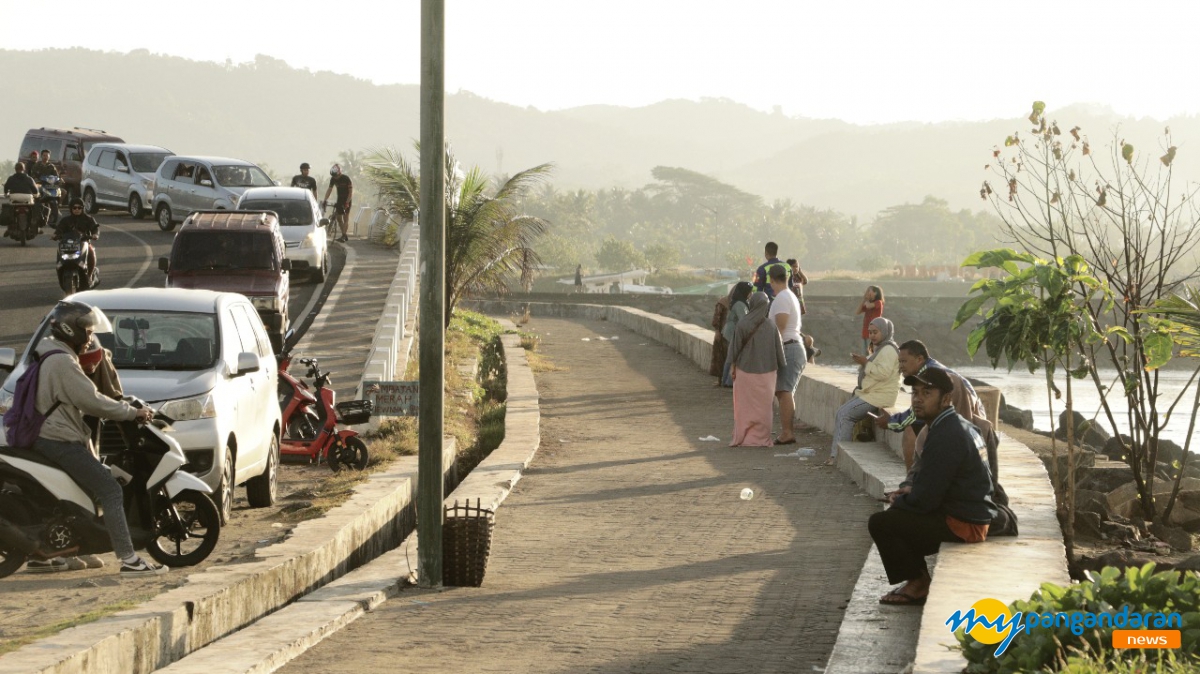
<point>310,418</point>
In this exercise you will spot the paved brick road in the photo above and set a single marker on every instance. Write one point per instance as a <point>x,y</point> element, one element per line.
<point>626,548</point>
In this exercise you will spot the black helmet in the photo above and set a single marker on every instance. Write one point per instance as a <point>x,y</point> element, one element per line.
<point>70,322</point>
<point>77,202</point>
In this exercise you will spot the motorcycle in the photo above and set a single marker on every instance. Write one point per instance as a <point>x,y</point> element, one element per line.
<point>23,224</point>
<point>310,418</point>
<point>49,197</point>
<point>72,264</point>
<point>46,514</point>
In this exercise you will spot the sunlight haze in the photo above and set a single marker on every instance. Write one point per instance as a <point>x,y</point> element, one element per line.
<point>863,62</point>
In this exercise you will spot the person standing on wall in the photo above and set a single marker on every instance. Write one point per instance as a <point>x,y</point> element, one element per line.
<point>762,282</point>
<point>871,307</point>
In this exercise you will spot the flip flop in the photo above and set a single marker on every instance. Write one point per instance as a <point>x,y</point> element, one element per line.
<point>786,442</point>
<point>898,598</point>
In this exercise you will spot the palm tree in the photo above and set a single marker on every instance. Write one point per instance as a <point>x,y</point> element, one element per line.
<point>488,239</point>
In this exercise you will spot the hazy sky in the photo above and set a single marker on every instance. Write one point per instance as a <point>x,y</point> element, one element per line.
<point>925,60</point>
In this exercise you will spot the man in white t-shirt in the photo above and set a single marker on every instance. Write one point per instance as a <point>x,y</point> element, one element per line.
<point>785,312</point>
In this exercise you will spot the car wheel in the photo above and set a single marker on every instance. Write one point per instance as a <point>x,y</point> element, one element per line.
<point>261,490</point>
<point>89,201</point>
<point>323,270</point>
<point>135,207</point>
<point>164,218</point>
<point>224,495</point>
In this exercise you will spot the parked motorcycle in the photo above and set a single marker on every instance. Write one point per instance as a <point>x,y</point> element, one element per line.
<point>310,418</point>
<point>46,514</point>
<point>50,194</point>
<point>23,225</point>
<point>72,265</point>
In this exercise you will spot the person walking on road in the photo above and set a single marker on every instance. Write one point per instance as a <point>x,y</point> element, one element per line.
<point>757,355</point>
<point>304,180</point>
<point>345,196</point>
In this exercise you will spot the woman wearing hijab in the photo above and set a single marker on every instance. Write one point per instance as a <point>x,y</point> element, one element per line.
<point>720,347</point>
<point>756,354</point>
<point>738,309</point>
<point>878,382</point>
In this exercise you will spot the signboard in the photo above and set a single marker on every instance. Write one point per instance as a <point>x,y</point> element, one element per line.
<point>393,398</point>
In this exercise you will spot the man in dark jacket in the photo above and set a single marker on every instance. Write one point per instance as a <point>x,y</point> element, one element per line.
<point>20,182</point>
<point>950,499</point>
<point>82,223</point>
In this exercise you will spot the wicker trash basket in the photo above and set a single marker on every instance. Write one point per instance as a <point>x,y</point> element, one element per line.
<point>466,544</point>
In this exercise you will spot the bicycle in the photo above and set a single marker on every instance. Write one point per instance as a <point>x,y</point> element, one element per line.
<point>334,230</point>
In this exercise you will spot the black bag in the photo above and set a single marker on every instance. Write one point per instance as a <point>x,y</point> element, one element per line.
<point>1004,523</point>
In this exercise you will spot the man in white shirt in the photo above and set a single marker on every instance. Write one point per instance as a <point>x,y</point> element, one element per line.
<point>785,312</point>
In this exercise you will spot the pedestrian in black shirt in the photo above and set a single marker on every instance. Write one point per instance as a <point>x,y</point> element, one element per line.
<point>345,194</point>
<point>304,180</point>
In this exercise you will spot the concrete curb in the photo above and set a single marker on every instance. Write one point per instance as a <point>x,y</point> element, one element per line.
<point>277,639</point>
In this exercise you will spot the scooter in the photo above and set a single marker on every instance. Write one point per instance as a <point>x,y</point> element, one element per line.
<point>49,197</point>
<point>72,264</point>
<point>310,420</point>
<point>23,225</point>
<point>46,514</point>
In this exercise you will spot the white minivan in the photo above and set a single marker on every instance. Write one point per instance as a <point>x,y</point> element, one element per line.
<point>304,230</point>
<point>203,359</point>
<point>121,175</point>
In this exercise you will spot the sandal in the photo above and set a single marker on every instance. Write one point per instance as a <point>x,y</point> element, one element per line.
<point>831,461</point>
<point>898,598</point>
<point>786,442</point>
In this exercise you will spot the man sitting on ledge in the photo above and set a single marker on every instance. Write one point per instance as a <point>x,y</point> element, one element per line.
<point>950,499</point>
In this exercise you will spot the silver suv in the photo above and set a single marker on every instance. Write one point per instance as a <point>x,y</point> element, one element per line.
<point>186,184</point>
<point>120,175</point>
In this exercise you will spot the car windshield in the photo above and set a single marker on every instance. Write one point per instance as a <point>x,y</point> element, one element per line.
<point>222,250</point>
<point>241,176</point>
<point>290,211</point>
<point>159,340</point>
<point>147,162</point>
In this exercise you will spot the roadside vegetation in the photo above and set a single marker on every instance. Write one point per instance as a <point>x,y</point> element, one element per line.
<point>9,645</point>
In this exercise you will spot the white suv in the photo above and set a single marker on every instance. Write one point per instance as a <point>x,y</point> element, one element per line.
<point>120,175</point>
<point>305,232</point>
<point>203,359</point>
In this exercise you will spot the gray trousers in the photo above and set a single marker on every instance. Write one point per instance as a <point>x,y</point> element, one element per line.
<point>849,414</point>
<point>78,462</point>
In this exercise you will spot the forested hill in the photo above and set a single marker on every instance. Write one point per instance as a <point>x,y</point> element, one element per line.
<point>268,112</point>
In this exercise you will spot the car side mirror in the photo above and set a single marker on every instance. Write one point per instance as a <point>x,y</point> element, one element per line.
<point>287,265</point>
<point>278,182</point>
<point>323,222</point>
<point>246,363</point>
<point>122,169</point>
<point>8,358</point>
<point>206,183</point>
<point>164,264</point>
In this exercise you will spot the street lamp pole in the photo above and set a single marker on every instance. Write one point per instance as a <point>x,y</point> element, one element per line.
<point>431,336</point>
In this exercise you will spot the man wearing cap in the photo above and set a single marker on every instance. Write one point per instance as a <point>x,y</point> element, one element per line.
<point>950,499</point>
<point>304,180</point>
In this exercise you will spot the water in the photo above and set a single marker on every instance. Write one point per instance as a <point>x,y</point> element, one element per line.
<point>1028,391</point>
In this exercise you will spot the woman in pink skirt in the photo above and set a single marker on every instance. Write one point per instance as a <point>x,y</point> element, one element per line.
<point>756,354</point>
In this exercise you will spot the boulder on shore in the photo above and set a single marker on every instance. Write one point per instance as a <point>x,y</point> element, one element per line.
<point>1086,432</point>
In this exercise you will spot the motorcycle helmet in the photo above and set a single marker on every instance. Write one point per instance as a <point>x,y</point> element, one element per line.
<point>71,320</point>
<point>335,170</point>
<point>77,202</point>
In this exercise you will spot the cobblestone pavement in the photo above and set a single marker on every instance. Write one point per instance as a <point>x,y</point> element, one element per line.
<point>627,547</point>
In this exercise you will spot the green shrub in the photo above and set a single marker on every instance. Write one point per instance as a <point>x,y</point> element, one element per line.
<point>1050,649</point>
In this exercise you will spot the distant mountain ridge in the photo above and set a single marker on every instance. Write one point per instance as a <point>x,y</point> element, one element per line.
<point>265,111</point>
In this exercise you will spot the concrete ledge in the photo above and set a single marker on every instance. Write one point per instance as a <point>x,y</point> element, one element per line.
<point>393,333</point>
<point>277,639</point>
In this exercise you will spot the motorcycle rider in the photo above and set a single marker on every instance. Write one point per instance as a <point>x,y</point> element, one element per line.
<point>66,439</point>
<point>304,180</point>
<point>17,183</point>
<point>345,193</point>
<point>83,224</point>
<point>43,168</point>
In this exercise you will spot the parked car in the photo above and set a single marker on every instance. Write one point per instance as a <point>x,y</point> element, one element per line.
<point>204,360</point>
<point>120,175</point>
<point>235,251</point>
<point>67,148</point>
<point>186,184</point>
<point>304,230</point>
